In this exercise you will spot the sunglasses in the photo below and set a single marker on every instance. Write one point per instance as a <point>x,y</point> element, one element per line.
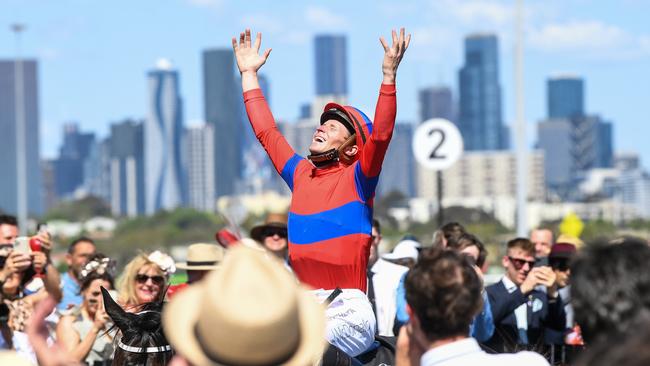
<point>559,264</point>
<point>143,278</point>
<point>275,231</point>
<point>519,263</point>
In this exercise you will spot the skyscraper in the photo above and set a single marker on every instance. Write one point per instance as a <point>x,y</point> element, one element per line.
<point>565,97</point>
<point>199,145</point>
<point>398,169</point>
<point>97,170</point>
<point>480,120</point>
<point>591,143</point>
<point>163,130</point>
<point>331,65</point>
<point>573,146</point>
<point>127,181</point>
<point>8,167</point>
<point>604,144</point>
<point>554,139</point>
<point>436,102</point>
<point>69,166</point>
<point>223,110</point>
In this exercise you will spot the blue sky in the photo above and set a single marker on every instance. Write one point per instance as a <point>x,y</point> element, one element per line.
<point>93,56</point>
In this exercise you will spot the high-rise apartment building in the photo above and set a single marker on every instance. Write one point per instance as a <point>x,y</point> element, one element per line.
<point>199,151</point>
<point>480,119</point>
<point>163,130</point>
<point>436,102</point>
<point>127,179</point>
<point>554,139</point>
<point>223,110</point>
<point>69,166</point>
<point>565,97</point>
<point>8,153</point>
<point>331,64</point>
<point>97,171</point>
<point>573,141</point>
<point>591,143</point>
<point>398,170</point>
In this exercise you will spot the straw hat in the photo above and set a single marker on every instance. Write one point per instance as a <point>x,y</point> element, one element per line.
<point>564,238</point>
<point>273,220</point>
<point>250,312</point>
<point>202,257</point>
<point>12,358</point>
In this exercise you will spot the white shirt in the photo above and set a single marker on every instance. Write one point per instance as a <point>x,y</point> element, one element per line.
<point>521,312</point>
<point>467,352</point>
<point>385,282</point>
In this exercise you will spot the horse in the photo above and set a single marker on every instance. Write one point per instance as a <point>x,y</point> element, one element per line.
<point>143,341</point>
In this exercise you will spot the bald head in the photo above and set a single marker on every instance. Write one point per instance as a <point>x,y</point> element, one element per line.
<point>543,240</point>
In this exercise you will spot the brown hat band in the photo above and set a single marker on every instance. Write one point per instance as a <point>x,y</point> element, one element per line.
<point>206,263</point>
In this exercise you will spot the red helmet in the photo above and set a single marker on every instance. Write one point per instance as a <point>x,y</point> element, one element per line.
<point>354,120</point>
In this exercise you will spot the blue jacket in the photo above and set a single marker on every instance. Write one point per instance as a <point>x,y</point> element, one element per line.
<point>542,313</point>
<point>482,326</point>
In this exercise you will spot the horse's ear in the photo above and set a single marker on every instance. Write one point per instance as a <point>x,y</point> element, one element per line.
<point>115,311</point>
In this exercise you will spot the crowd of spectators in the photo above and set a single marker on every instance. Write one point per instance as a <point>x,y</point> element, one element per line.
<point>241,304</point>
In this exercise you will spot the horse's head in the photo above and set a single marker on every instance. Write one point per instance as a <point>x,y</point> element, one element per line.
<point>143,340</point>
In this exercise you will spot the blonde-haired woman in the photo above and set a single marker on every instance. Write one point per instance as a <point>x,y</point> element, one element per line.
<point>144,279</point>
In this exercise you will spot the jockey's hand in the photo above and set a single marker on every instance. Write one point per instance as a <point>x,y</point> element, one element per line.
<point>393,54</point>
<point>248,55</point>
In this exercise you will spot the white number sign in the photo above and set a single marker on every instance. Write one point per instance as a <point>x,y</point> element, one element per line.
<point>437,144</point>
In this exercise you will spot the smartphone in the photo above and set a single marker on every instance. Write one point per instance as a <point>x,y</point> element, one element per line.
<point>21,245</point>
<point>541,262</point>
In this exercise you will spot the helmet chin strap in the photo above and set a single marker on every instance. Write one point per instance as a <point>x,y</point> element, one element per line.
<point>333,155</point>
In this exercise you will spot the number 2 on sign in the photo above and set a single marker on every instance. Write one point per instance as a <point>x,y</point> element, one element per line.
<point>434,153</point>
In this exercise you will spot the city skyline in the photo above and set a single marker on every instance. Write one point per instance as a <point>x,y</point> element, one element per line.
<point>82,49</point>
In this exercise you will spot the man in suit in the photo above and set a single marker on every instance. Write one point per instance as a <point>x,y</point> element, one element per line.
<point>521,312</point>
<point>443,292</point>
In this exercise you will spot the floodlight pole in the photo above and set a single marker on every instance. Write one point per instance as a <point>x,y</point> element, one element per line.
<point>521,144</point>
<point>21,143</point>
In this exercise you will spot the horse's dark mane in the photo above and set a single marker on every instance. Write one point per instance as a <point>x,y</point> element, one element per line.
<point>142,329</point>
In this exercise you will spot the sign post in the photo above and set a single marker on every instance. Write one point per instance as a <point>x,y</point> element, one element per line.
<point>437,145</point>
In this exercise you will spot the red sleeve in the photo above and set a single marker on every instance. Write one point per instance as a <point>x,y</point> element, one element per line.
<point>282,155</point>
<point>375,148</point>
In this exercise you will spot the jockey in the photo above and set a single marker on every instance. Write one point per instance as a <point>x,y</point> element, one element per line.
<point>330,216</point>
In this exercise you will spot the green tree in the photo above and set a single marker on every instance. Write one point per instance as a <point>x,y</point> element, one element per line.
<point>164,229</point>
<point>598,229</point>
<point>78,210</point>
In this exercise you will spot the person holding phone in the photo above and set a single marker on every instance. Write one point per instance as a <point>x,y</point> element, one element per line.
<point>83,332</point>
<point>521,311</point>
<point>21,291</point>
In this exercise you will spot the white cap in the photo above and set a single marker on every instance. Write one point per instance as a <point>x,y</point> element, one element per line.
<point>404,249</point>
<point>411,242</point>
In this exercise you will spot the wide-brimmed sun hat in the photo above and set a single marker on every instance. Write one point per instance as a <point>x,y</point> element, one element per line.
<point>202,257</point>
<point>273,221</point>
<point>250,312</point>
<point>564,238</point>
<point>12,358</point>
